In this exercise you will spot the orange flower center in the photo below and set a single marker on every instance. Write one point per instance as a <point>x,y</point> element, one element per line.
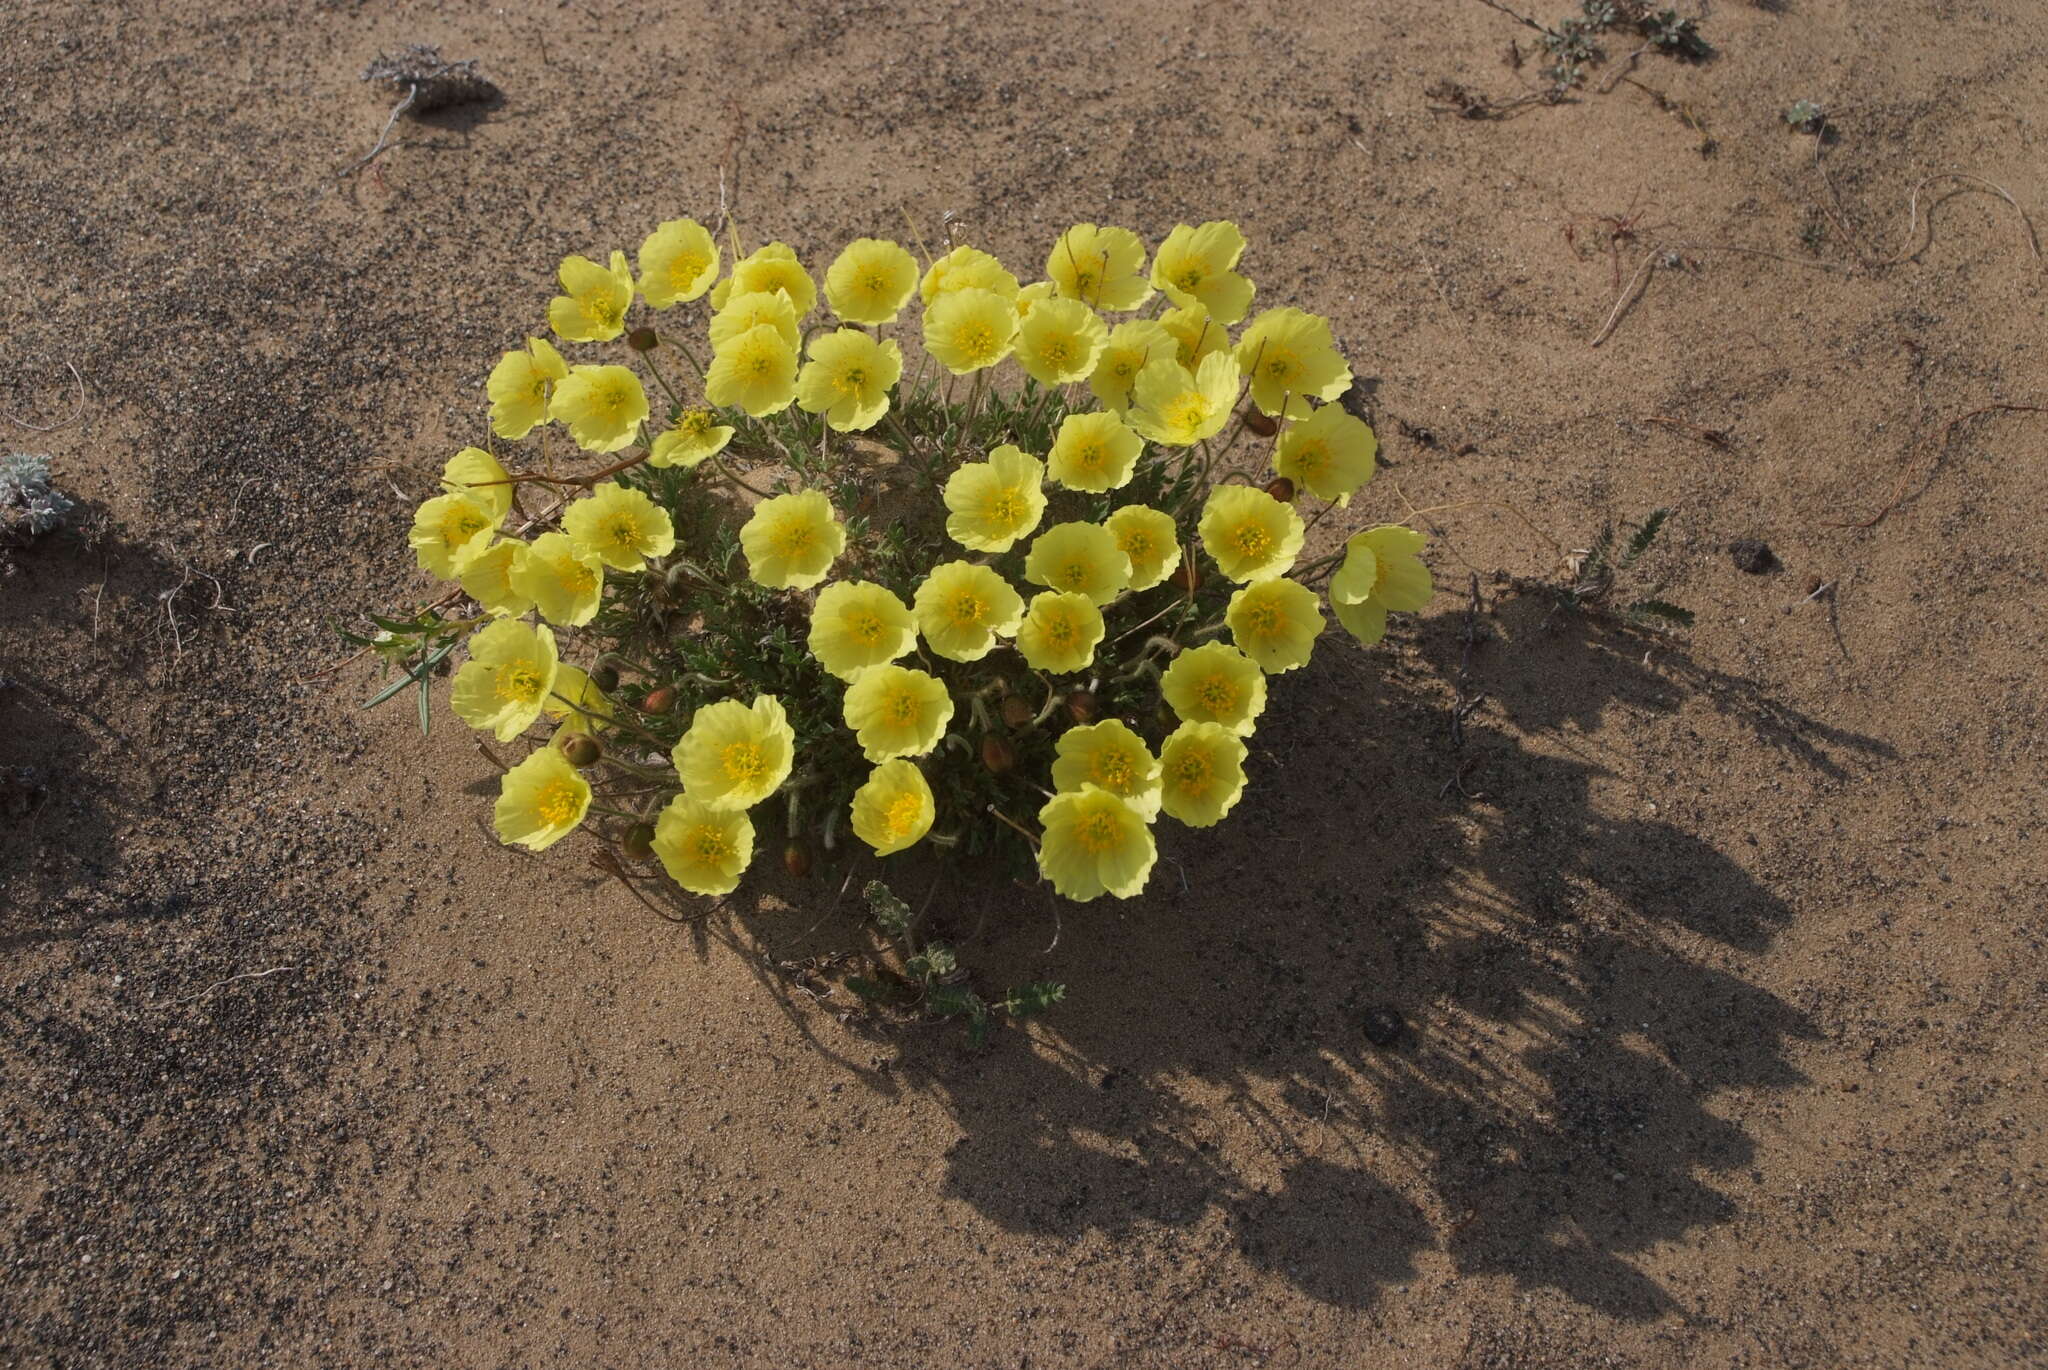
<point>1098,832</point>
<point>1216,694</point>
<point>517,680</point>
<point>902,708</point>
<point>1113,771</point>
<point>902,815</point>
<point>557,803</point>
<point>744,763</point>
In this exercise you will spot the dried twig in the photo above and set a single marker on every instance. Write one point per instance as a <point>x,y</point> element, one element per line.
<point>1947,436</point>
<point>245,975</point>
<point>76,414</point>
<point>383,139</point>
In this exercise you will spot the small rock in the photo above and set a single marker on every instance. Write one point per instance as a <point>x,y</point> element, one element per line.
<point>1752,556</point>
<point>1385,1027</point>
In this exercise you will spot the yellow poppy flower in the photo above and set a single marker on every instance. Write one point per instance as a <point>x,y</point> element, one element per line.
<point>1031,295</point>
<point>1201,769</point>
<point>1251,535</point>
<point>520,386</point>
<point>1094,844</point>
<point>602,405</point>
<point>894,809</point>
<point>705,850</point>
<point>896,711</point>
<point>968,330</point>
<point>773,267</point>
<point>564,582</point>
<point>574,703</point>
<point>848,379</point>
<point>1275,623</point>
<point>1215,683</point>
<point>1104,268</point>
<point>1060,341</point>
<point>1382,570</point>
<point>695,435</point>
<point>487,578</point>
<point>1079,556</point>
<point>993,503</point>
<point>755,370</point>
<point>540,801</point>
<point>1330,453</point>
<point>506,680</point>
<point>791,541</point>
<point>678,262</point>
<point>1171,406</point>
<point>1290,359</point>
<point>1110,755</point>
<point>476,473</point>
<point>749,311</point>
<point>1132,344</point>
<point>592,307</point>
<point>1060,632</point>
<point>449,532</point>
<point>870,281</point>
<point>735,755</point>
<point>966,268</point>
<point>1198,266</point>
<point>856,624</point>
<point>1150,539</point>
<point>620,526</point>
<point>1195,335</point>
<point>1095,452</point>
<point>962,608</point>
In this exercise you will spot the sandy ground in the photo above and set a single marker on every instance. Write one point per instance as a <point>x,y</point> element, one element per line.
<point>1722,969</point>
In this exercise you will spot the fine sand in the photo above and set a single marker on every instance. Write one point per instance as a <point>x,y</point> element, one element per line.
<point>1719,954</point>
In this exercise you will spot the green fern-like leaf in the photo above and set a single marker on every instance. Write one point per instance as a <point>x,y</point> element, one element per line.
<point>1644,610</point>
<point>890,912</point>
<point>1645,534</point>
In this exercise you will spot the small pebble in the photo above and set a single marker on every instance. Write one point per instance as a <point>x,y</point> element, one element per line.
<point>1752,556</point>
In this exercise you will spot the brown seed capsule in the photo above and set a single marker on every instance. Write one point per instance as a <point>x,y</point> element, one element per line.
<point>642,340</point>
<point>796,859</point>
<point>1281,488</point>
<point>659,701</point>
<point>1081,706</point>
<point>1017,711</point>
<point>582,751</point>
<point>639,841</point>
<point>1259,423</point>
<point>997,754</point>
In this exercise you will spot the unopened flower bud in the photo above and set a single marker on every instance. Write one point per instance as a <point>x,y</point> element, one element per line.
<point>1017,711</point>
<point>679,580</point>
<point>1261,424</point>
<point>606,678</point>
<point>639,841</point>
<point>1281,488</point>
<point>1081,706</point>
<point>642,339</point>
<point>582,750</point>
<point>796,859</point>
<point>1187,577</point>
<point>659,701</point>
<point>997,754</point>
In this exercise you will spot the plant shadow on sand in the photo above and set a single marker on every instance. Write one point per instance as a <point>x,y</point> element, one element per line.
<point>69,774</point>
<point>1477,1019</point>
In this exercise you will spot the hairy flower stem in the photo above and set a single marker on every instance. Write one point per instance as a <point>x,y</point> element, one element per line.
<point>727,472</point>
